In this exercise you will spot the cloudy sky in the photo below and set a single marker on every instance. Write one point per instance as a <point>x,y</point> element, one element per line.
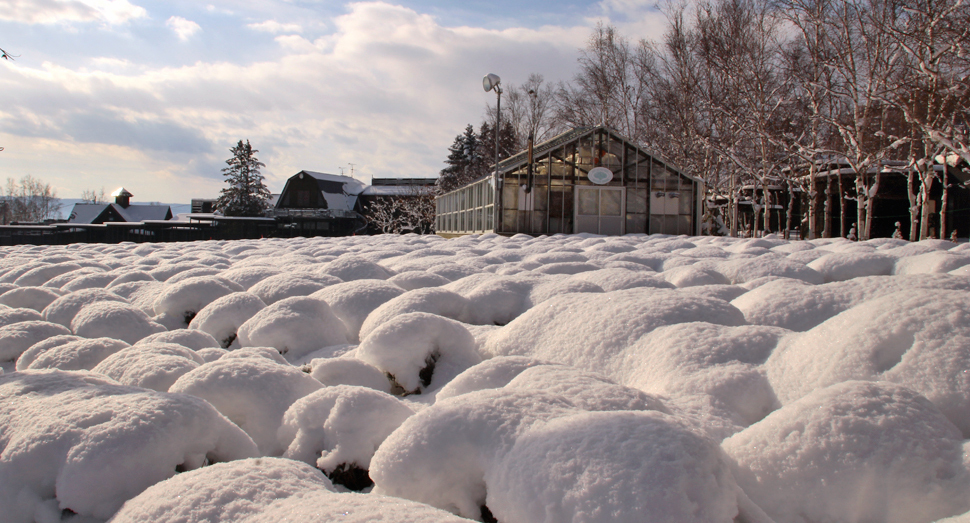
<point>152,94</point>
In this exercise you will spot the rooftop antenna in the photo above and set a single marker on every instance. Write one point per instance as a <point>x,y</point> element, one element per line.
<point>351,169</point>
<point>341,170</point>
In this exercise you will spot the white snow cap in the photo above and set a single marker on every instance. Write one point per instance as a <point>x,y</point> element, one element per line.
<point>874,451</point>
<point>294,326</point>
<point>222,492</point>
<point>337,429</point>
<point>252,392</point>
<point>81,442</point>
<point>110,319</point>
<point>222,318</point>
<point>420,351</point>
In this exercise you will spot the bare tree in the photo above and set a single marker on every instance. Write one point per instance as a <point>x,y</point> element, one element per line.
<point>92,196</point>
<point>932,37</point>
<point>530,110</point>
<point>607,90</point>
<point>29,200</point>
<point>414,211</point>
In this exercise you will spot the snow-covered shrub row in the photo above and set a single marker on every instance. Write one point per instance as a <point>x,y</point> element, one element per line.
<point>511,379</point>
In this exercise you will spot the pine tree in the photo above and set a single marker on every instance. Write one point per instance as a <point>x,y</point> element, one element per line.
<point>246,195</point>
<point>465,161</point>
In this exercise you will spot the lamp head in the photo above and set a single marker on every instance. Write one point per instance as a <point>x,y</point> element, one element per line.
<point>490,81</point>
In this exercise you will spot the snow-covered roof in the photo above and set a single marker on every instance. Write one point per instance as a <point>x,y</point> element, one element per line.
<point>394,190</point>
<point>90,212</point>
<point>339,191</point>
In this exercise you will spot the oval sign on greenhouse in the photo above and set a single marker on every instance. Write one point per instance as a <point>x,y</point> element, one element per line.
<point>600,175</point>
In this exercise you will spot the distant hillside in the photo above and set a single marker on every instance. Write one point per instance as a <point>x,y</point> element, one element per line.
<point>68,203</point>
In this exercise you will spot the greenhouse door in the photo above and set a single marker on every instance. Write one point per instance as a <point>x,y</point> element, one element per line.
<point>600,210</point>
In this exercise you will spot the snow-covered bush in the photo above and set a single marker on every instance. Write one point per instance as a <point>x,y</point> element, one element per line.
<point>79,443</point>
<point>223,492</point>
<point>294,326</point>
<point>222,318</point>
<point>854,451</point>
<point>152,365</point>
<point>419,351</point>
<point>110,319</point>
<point>252,392</point>
<point>337,429</point>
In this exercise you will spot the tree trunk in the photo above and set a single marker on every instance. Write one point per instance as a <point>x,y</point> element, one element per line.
<point>914,203</point>
<point>841,206</point>
<point>871,195</point>
<point>861,204</point>
<point>827,209</point>
<point>926,184</point>
<point>943,202</point>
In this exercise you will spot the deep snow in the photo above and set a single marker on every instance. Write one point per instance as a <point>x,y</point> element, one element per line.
<point>520,380</point>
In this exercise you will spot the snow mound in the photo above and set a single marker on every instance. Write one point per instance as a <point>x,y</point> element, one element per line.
<point>64,309</point>
<point>36,298</point>
<point>337,429</point>
<point>294,326</point>
<point>411,280</point>
<point>904,338</point>
<point>40,275</point>
<point>110,319</point>
<point>223,492</point>
<point>79,442</point>
<point>185,299</point>
<point>855,451</point>
<point>350,267</point>
<point>712,370</point>
<point>18,337</point>
<point>617,279</point>
<point>749,269</point>
<point>267,353</point>
<point>589,331</point>
<point>213,353</point>
<point>432,300</point>
<point>192,339</point>
<point>28,356</point>
<point>90,280</point>
<point>419,351</point>
<point>840,266</point>
<point>586,390</point>
<point>252,392</point>
<point>246,277</point>
<point>493,373</point>
<point>799,307</point>
<point>222,318</point>
<point>83,354</point>
<point>353,301</point>
<point>10,316</point>
<point>613,466</point>
<point>349,371</point>
<point>288,285</point>
<point>155,365</point>
<point>931,262</point>
<point>348,507</point>
<point>440,455</point>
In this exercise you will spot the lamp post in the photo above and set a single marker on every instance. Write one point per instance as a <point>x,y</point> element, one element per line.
<point>493,82</point>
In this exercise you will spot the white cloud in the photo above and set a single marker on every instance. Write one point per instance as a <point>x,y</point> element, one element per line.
<point>182,27</point>
<point>388,90</point>
<point>64,11</point>
<point>272,26</point>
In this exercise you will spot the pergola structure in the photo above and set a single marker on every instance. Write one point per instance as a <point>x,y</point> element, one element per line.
<point>555,192</point>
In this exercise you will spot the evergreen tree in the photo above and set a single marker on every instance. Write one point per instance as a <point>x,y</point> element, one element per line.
<point>465,161</point>
<point>246,195</point>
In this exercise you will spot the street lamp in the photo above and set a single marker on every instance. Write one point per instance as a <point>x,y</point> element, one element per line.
<point>493,82</point>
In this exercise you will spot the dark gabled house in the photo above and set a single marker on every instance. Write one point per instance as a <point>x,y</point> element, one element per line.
<point>122,210</point>
<point>321,204</point>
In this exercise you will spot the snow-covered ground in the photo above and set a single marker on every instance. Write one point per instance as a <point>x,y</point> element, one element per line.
<point>519,380</point>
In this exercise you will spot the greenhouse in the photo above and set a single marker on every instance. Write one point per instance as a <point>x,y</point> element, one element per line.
<point>588,180</point>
